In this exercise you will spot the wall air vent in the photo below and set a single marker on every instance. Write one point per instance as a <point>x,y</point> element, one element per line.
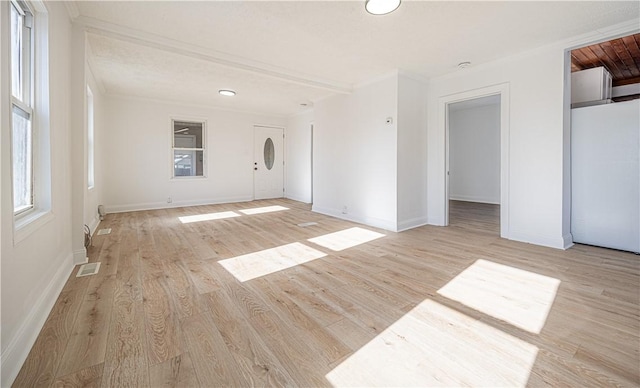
<point>88,269</point>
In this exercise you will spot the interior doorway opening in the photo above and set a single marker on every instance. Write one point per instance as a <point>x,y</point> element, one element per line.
<point>476,127</point>
<point>474,164</point>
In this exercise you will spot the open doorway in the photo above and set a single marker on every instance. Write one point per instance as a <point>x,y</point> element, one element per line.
<point>474,164</point>
<point>477,158</point>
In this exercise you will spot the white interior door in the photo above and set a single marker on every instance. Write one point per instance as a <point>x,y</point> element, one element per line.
<point>268,174</point>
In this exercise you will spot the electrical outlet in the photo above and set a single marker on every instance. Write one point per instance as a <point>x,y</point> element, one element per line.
<point>169,200</point>
<point>345,210</point>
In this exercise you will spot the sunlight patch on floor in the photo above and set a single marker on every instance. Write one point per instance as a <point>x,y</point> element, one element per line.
<point>208,217</point>
<point>257,264</point>
<point>347,238</point>
<point>266,209</point>
<point>519,297</point>
<point>433,345</point>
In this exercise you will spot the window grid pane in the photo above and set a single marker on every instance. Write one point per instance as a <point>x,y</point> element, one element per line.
<point>188,148</point>
<point>21,150</point>
<point>16,53</point>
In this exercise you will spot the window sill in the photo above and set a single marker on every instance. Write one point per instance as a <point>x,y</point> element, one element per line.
<point>188,177</point>
<point>27,224</point>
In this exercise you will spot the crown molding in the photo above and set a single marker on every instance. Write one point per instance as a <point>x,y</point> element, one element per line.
<point>72,9</point>
<point>115,31</point>
<point>190,105</point>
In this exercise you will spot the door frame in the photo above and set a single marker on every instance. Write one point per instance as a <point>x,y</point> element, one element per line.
<point>443,122</point>
<point>284,147</point>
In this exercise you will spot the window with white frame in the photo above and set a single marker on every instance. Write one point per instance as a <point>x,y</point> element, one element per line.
<point>22,75</point>
<point>90,141</point>
<point>188,140</point>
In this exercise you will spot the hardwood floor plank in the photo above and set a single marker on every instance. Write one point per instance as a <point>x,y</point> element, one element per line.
<point>42,363</point>
<point>163,336</point>
<point>175,372</point>
<point>252,357</point>
<point>88,341</point>
<point>214,365</point>
<point>164,312</point>
<point>126,357</point>
<point>87,377</point>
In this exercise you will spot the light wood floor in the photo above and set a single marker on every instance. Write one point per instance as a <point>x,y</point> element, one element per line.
<point>163,311</point>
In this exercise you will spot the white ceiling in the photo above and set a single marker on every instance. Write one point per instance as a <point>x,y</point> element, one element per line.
<point>278,54</point>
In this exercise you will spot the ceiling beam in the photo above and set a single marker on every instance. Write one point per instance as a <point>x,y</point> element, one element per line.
<point>127,34</point>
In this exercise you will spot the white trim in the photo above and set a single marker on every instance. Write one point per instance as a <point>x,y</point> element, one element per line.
<point>470,198</point>
<point>381,77</point>
<point>115,31</point>
<point>72,9</point>
<point>163,205</point>
<point>371,221</point>
<point>412,223</point>
<point>20,345</point>
<point>93,225</point>
<point>296,197</point>
<point>29,223</point>
<point>189,105</point>
<point>539,239</point>
<point>501,89</point>
<point>567,241</point>
<point>80,256</point>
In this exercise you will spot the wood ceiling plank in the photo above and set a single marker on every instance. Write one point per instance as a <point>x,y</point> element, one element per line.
<point>611,58</point>
<point>622,52</point>
<point>634,48</point>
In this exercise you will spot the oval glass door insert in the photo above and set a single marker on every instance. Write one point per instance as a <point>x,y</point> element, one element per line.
<point>269,153</point>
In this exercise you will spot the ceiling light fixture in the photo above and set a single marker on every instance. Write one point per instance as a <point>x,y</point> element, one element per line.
<point>227,92</point>
<point>381,7</point>
<point>464,65</point>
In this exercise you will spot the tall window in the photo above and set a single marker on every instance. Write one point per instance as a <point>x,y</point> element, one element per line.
<point>90,142</point>
<point>188,148</point>
<point>21,106</point>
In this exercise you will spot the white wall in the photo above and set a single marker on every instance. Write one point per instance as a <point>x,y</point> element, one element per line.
<point>35,268</point>
<point>538,147</point>
<point>94,196</point>
<point>355,154</point>
<point>474,154</point>
<point>535,141</point>
<point>412,157</point>
<point>137,155</point>
<point>298,157</point>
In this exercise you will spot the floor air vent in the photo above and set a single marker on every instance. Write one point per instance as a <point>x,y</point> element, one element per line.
<point>104,231</point>
<point>305,224</point>
<point>88,269</point>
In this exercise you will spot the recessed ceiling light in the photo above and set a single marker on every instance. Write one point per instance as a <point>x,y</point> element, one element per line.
<point>464,65</point>
<point>227,92</point>
<point>381,7</point>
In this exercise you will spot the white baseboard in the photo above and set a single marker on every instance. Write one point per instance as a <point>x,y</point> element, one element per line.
<point>371,221</point>
<point>411,223</point>
<point>471,198</point>
<point>557,242</point>
<point>80,256</point>
<point>435,221</point>
<point>299,198</point>
<point>163,205</point>
<point>93,225</point>
<point>20,345</point>
<point>567,241</point>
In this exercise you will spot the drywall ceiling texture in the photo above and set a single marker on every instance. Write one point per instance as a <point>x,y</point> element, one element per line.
<point>333,44</point>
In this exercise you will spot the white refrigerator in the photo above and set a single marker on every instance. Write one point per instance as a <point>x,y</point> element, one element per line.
<point>605,175</point>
